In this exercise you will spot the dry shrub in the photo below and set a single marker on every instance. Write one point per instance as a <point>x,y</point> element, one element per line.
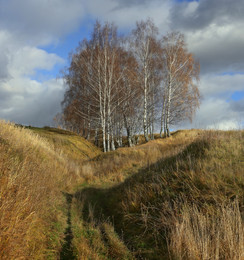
<point>201,235</point>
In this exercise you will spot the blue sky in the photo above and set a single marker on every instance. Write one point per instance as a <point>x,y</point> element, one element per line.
<point>237,95</point>
<point>36,38</point>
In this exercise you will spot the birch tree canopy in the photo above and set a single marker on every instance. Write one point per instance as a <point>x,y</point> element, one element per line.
<point>180,77</point>
<point>116,85</point>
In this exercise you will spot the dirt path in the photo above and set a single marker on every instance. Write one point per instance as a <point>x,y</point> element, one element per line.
<point>67,249</point>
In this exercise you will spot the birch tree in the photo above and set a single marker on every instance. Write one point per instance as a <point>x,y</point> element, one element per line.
<point>115,86</point>
<point>94,79</point>
<point>145,47</point>
<point>133,98</point>
<point>180,76</point>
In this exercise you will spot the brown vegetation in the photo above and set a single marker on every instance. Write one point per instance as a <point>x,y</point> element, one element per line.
<point>175,198</point>
<point>32,207</point>
<point>186,205</point>
<point>117,84</point>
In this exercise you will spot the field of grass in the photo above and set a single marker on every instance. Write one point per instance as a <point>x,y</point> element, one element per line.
<point>34,171</point>
<point>73,146</point>
<point>175,198</point>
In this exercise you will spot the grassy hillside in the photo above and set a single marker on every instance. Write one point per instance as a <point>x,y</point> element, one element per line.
<point>184,199</point>
<point>175,198</point>
<point>34,169</point>
<point>73,146</point>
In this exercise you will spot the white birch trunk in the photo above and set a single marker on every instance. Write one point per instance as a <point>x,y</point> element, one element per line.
<point>152,119</point>
<point>163,117</point>
<point>112,141</point>
<point>108,131</point>
<point>168,107</point>
<point>145,110</point>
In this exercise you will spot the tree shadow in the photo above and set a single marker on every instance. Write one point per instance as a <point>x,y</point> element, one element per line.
<point>105,202</point>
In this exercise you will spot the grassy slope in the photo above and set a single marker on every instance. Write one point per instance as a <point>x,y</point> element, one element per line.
<point>132,203</point>
<point>34,169</point>
<point>73,146</point>
<point>183,198</point>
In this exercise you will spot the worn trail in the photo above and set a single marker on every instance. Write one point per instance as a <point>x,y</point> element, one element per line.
<point>67,249</point>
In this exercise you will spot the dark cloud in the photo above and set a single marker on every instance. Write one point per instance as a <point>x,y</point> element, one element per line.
<point>5,97</point>
<point>238,106</point>
<point>40,21</point>
<point>214,32</point>
<point>131,3</point>
<point>198,15</point>
<point>4,61</point>
<point>221,57</point>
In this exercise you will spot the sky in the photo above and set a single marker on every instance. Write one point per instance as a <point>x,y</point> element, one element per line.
<point>36,37</point>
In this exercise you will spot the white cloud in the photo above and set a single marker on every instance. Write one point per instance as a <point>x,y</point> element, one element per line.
<point>213,29</point>
<point>25,60</point>
<point>225,125</point>
<point>215,85</point>
<point>126,13</point>
<point>40,22</point>
<point>22,99</point>
<point>215,113</point>
<point>217,109</point>
<point>24,26</point>
<point>30,102</point>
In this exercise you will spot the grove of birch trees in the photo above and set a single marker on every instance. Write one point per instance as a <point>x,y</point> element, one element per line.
<point>123,86</point>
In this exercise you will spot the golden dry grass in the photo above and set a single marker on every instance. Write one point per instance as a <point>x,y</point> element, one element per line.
<point>114,167</point>
<point>32,208</point>
<point>201,169</point>
<point>74,147</point>
<point>95,239</point>
<point>179,198</point>
<point>199,234</point>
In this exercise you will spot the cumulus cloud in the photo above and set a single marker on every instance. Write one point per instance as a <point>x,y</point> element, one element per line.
<point>216,112</point>
<point>218,47</point>
<point>24,27</point>
<point>216,85</point>
<point>126,13</point>
<point>217,109</point>
<point>33,58</point>
<point>213,30</point>
<point>23,99</point>
<point>200,14</point>
<point>30,102</point>
<point>41,21</point>
<point>214,33</point>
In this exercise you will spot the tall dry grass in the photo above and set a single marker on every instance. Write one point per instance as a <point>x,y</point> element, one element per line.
<point>114,167</point>
<point>208,235</point>
<point>95,239</point>
<point>169,195</point>
<point>207,174</point>
<point>31,174</point>
<point>201,169</point>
